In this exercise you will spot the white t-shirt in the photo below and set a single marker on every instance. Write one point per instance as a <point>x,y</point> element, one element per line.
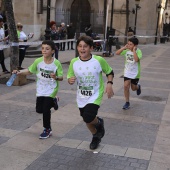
<point>46,86</point>
<point>132,68</point>
<point>90,84</point>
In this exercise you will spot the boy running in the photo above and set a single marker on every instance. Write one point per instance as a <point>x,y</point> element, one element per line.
<point>132,56</point>
<point>86,70</point>
<point>48,71</point>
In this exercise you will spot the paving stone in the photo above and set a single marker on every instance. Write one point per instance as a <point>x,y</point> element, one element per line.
<point>138,153</point>
<point>139,135</point>
<point>57,157</point>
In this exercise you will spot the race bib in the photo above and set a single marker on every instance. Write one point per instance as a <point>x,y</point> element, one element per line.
<point>85,92</point>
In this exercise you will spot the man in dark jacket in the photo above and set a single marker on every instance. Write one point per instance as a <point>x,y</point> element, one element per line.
<point>70,35</point>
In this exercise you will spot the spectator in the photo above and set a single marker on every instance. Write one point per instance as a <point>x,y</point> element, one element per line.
<point>130,32</point>
<point>22,37</point>
<point>88,30</point>
<point>70,35</point>
<point>2,40</point>
<point>63,32</point>
<point>55,36</point>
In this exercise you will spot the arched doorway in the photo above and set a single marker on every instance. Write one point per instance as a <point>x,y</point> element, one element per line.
<point>80,14</point>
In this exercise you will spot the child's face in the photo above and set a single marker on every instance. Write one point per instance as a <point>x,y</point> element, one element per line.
<point>47,50</point>
<point>84,50</point>
<point>130,45</point>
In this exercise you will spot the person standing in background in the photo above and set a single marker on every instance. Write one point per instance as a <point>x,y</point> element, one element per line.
<point>22,37</point>
<point>63,32</point>
<point>88,30</point>
<point>70,35</point>
<point>55,36</point>
<point>2,41</point>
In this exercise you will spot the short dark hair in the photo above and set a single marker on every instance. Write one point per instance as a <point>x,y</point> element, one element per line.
<point>87,39</point>
<point>134,40</point>
<point>50,43</point>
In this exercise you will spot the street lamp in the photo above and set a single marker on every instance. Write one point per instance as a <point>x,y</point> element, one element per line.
<point>137,2</point>
<point>47,30</point>
<point>158,9</point>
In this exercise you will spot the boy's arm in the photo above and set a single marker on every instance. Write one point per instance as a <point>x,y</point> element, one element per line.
<point>137,54</point>
<point>109,89</point>
<point>121,49</point>
<point>22,72</point>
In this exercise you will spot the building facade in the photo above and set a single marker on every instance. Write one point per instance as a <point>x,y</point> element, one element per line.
<point>33,14</point>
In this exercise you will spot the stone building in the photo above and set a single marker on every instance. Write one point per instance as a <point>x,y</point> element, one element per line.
<point>32,14</point>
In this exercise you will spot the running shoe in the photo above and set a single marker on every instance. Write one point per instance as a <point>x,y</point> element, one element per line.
<point>46,133</point>
<point>138,91</point>
<point>56,99</point>
<point>126,106</point>
<point>100,128</point>
<point>95,143</point>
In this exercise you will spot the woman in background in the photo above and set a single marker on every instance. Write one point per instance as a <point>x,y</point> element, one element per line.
<point>2,41</point>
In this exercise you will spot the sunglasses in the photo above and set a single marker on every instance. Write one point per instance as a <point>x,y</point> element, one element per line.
<point>19,26</point>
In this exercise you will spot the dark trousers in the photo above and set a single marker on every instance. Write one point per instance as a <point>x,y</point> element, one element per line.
<point>21,56</point>
<point>68,45</point>
<point>62,46</point>
<point>2,59</point>
<point>44,105</point>
<point>56,50</point>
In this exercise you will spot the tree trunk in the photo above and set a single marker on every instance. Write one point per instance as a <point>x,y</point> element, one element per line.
<point>127,20</point>
<point>14,61</point>
<point>13,37</point>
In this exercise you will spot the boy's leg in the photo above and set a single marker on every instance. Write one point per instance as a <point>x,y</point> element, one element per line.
<point>39,108</point>
<point>47,105</point>
<point>135,86</point>
<point>94,124</point>
<point>126,89</point>
<point>127,83</point>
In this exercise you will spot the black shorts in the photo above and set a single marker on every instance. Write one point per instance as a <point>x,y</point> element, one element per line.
<point>133,81</point>
<point>89,112</point>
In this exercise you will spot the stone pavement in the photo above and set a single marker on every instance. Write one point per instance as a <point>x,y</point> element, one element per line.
<point>135,139</point>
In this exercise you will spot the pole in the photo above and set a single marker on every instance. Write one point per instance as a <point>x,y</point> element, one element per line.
<point>135,19</point>
<point>78,27</point>
<point>156,29</point>
<point>47,31</point>
<point>111,20</point>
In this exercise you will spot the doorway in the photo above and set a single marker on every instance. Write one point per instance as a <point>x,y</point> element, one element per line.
<point>80,14</point>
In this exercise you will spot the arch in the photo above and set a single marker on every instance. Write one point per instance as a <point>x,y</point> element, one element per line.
<point>80,12</point>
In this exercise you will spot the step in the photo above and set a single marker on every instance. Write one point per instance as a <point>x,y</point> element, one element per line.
<point>33,55</point>
<point>34,47</point>
<point>31,52</point>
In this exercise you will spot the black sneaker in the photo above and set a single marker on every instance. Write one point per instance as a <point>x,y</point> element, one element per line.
<point>126,106</point>
<point>138,91</point>
<point>55,103</point>
<point>100,128</point>
<point>95,143</point>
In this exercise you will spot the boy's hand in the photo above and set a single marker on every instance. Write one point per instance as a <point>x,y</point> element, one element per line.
<point>16,72</point>
<point>134,48</point>
<point>52,75</point>
<point>72,80</point>
<point>109,90</point>
<point>125,47</point>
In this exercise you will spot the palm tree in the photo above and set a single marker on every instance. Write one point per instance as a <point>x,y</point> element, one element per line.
<point>8,8</point>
